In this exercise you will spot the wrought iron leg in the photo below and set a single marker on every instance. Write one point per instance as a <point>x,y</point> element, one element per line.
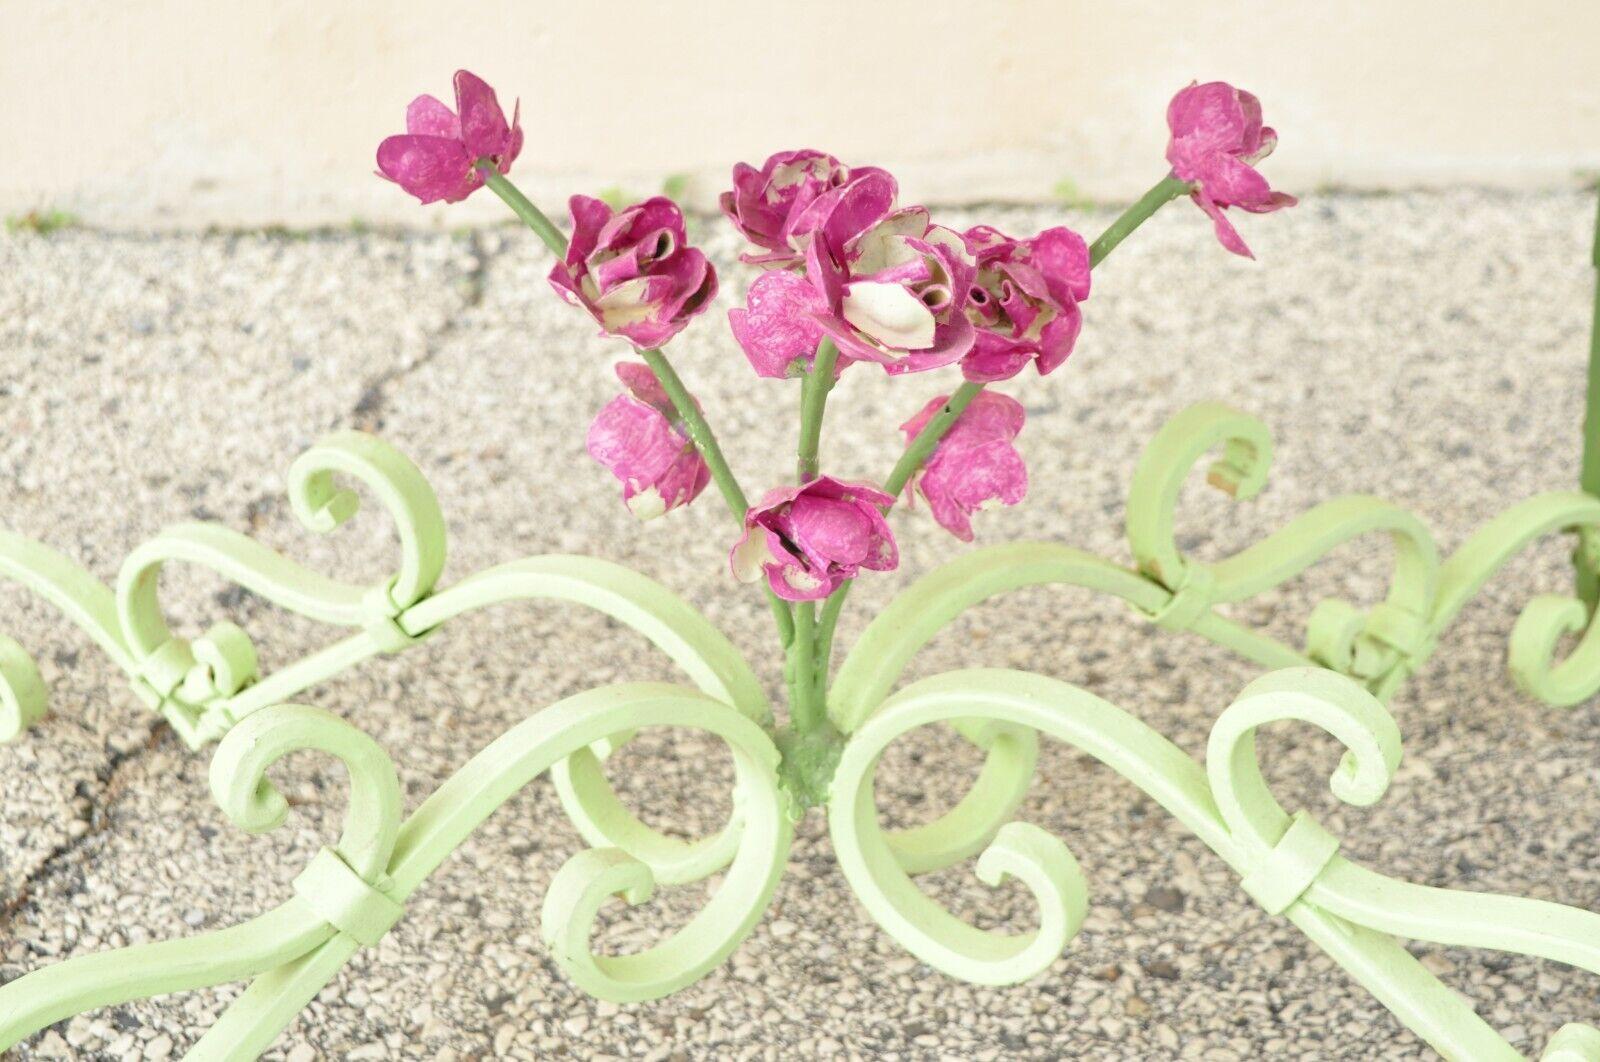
<point>1586,559</point>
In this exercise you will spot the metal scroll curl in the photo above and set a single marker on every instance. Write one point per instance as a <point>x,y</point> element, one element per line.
<point>1548,619</point>
<point>190,682</point>
<point>82,598</point>
<point>1288,863</point>
<point>355,890</point>
<point>209,685</point>
<point>1380,647</point>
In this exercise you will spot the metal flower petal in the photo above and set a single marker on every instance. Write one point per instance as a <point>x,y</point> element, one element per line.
<point>637,437</point>
<point>1217,137</point>
<point>975,465</point>
<point>437,157</point>
<point>633,269</point>
<point>807,540</point>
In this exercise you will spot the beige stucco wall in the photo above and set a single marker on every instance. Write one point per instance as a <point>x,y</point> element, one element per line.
<point>174,112</point>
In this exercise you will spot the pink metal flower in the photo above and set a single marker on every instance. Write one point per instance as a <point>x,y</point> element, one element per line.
<point>777,328</point>
<point>884,284</point>
<point>764,202</point>
<point>975,466</point>
<point>1217,137</point>
<point>634,269</point>
<point>843,213</point>
<point>437,156</point>
<point>896,292</point>
<point>807,540</point>
<point>639,438</point>
<point>1024,301</point>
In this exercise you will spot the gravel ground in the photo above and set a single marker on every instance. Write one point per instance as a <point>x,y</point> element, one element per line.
<point>1428,348</point>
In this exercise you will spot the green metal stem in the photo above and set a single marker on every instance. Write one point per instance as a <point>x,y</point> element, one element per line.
<point>694,422</point>
<point>814,391</point>
<point>1160,194</point>
<point>1163,192</point>
<point>1589,477</point>
<point>825,628</point>
<point>783,617</point>
<point>929,437</point>
<point>904,469</point>
<point>805,708</point>
<point>805,713</point>
<point>523,207</point>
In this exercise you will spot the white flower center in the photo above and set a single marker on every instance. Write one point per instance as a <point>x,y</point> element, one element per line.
<point>749,556</point>
<point>647,504</point>
<point>890,314</point>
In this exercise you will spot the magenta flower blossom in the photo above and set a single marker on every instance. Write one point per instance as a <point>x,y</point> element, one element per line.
<point>843,213</point>
<point>437,157</point>
<point>1217,138</point>
<point>885,285</point>
<point>777,329</point>
<point>639,438</point>
<point>975,466</point>
<point>896,292</point>
<point>764,203</point>
<point>634,269</point>
<point>808,540</point>
<point>1024,301</point>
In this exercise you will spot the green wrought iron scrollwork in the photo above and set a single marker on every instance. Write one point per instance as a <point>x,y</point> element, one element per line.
<point>354,891</point>
<point>1289,864</point>
<point>1380,648</point>
<point>211,689</point>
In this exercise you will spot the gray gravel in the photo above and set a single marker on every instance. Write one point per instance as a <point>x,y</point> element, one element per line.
<point>1428,348</point>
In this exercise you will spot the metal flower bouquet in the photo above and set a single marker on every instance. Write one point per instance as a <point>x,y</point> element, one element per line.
<point>848,280</point>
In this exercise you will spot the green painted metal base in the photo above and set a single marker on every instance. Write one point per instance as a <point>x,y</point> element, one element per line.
<point>348,897</point>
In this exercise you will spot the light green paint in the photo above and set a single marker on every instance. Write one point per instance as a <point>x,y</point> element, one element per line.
<point>358,886</point>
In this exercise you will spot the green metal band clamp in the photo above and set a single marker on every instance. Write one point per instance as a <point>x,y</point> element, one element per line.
<point>346,900</point>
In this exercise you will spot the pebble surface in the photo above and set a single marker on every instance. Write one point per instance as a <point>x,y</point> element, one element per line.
<point>1428,348</point>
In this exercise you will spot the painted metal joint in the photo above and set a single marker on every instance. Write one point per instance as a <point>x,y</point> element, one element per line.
<point>384,620</point>
<point>189,683</point>
<point>1191,599</point>
<point>1292,865</point>
<point>342,898</point>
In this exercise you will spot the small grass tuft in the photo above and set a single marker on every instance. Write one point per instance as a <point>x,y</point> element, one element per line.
<point>616,197</point>
<point>1070,195</point>
<point>675,186</point>
<point>41,222</point>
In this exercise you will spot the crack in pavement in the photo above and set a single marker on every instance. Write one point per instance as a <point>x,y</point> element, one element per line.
<point>101,794</point>
<point>367,413</point>
<point>108,778</point>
